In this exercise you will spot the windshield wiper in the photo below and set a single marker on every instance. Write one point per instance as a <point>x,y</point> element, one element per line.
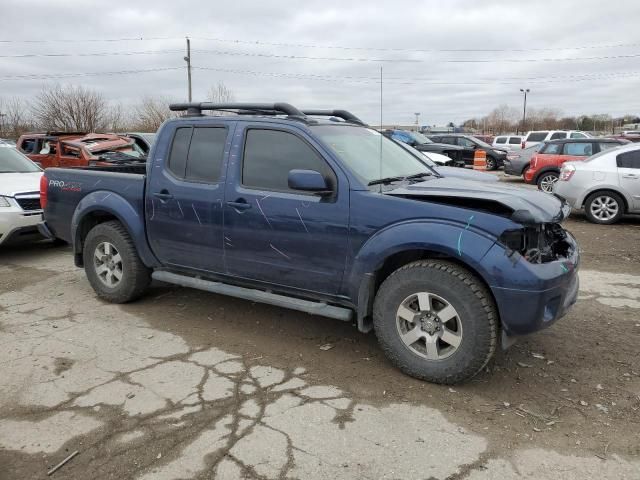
<point>419,175</point>
<point>385,180</point>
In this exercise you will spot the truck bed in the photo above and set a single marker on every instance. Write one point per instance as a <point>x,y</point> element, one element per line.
<point>93,187</point>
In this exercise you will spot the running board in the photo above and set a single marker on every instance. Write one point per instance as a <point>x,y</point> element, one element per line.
<point>315,308</point>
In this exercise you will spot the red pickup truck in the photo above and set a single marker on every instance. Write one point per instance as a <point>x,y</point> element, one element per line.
<point>78,149</point>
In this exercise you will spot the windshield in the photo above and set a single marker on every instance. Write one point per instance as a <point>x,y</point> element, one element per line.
<point>420,138</point>
<point>477,141</point>
<point>12,161</point>
<point>359,149</point>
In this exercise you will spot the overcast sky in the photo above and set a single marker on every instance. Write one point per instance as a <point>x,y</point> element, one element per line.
<point>407,39</point>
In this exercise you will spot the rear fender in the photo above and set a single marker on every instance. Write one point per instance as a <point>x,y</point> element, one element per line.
<point>109,203</point>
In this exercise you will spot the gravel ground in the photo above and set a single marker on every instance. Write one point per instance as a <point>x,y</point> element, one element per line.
<point>186,384</point>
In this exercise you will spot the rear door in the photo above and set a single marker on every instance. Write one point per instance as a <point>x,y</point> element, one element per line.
<point>185,193</point>
<point>277,235</point>
<point>629,176</point>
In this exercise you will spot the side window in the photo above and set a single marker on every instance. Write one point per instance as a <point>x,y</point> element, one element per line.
<point>465,142</point>
<point>29,145</point>
<point>501,140</point>
<point>607,145</point>
<point>552,149</point>
<point>578,135</point>
<point>197,153</point>
<point>558,135</point>
<point>578,149</point>
<point>515,140</point>
<point>629,159</point>
<point>269,155</point>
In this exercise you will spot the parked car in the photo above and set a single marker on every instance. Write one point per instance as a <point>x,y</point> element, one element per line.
<point>544,169</point>
<point>144,141</point>
<point>517,161</point>
<point>632,136</point>
<point>510,142</point>
<point>495,156</point>
<point>292,211</point>
<point>606,185</point>
<point>78,149</point>
<point>485,138</point>
<point>537,136</point>
<point>441,165</point>
<point>5,142</point>
<point>421,143</point>
<point>20,211</point>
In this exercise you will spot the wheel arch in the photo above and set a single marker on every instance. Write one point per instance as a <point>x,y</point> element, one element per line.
<point>553,169</point>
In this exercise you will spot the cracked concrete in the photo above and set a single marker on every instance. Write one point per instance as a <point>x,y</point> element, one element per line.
<point>82,374</point>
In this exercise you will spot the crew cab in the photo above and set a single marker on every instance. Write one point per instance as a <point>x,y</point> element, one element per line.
<point>314,211</point>
<point>544,167</point>
<point>78,149</point>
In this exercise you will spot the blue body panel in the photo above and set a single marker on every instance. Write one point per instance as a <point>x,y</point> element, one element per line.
<point>320,247</point>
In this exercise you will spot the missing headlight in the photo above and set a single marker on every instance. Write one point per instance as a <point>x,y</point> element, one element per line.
<point>537,244</point>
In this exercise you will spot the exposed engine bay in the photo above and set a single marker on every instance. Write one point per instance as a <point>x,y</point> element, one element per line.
<point>538,243</point>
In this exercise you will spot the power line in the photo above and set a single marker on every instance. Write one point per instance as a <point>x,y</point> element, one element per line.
<point>94,54</point>
<point>50,76</point>
<point>91,40</point>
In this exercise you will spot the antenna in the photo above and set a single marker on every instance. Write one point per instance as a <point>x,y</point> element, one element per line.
<point>380,127</point>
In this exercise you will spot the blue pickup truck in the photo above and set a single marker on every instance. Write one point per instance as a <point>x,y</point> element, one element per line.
<point>314,211</point>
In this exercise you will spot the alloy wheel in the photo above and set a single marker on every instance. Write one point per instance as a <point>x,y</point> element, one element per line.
<point>604,208</point>
<point>108,264</point>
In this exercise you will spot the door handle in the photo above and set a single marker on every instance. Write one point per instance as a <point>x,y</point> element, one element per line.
<point>240,204</point>
<point>163,195</point>
<point>630,175</point>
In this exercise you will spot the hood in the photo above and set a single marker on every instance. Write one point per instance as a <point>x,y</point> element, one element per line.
<point>522,205</point>
<point>465,174</point>
<point>14,183</point>
<point>444,146</point>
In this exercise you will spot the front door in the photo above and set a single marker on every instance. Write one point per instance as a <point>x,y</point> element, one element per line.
<point>185,194</point>
<point>277,235</point>
<point>629,176</point>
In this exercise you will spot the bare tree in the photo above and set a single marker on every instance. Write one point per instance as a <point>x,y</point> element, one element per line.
<point>15,118</point>
<point>151,113</point>
<point>70,108</point>
<point>220,93</point>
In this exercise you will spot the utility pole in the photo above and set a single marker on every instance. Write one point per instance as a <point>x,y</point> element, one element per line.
<point>188,60</point>
<point>524,111</point>
<point>2,115</point>
<point>417,114</point>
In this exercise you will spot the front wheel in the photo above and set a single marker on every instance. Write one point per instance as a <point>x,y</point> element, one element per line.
<point>436,321</point>
<point>492,163</point>
<point>112,264</point>
<point>547,180</point>
<point>604,208</point>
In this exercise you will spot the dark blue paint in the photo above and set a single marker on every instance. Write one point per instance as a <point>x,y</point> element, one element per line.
<point>323,247</point>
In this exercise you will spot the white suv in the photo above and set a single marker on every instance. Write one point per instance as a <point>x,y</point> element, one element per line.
<point>537,136</point>
<point>20,210</point>
<point>508,141</point>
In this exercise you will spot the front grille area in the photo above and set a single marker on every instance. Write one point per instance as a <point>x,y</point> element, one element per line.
<point>29,204</point>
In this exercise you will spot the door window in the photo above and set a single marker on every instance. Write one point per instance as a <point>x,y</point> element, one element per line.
<point>558,136</point>
<point>197,153</point>
<point>515,140</point>
<point>501,140</point>
<point>269,155</point>
<point>629,159</point>
<point>551,149</point>
<point>537,136</point>
<point>465,142</point>
<point>578,149</point>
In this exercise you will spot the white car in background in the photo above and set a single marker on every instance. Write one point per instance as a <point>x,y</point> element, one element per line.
<point>509,142</point>
<point>537,136</point>
<point>20,210</point>
<point>606,185</point>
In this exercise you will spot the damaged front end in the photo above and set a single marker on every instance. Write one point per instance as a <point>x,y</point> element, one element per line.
<point>537,244</point>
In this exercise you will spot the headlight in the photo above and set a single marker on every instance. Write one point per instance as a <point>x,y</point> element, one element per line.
<point>4,202</point>
<point>500,152</point>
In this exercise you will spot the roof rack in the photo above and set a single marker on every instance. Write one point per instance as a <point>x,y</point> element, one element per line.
<point>261,108</point>
<point>343,114</point>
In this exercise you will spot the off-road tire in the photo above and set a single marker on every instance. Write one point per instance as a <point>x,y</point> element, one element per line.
<point>466,293</point>
<point>615,197</point>
<point>136,277</point>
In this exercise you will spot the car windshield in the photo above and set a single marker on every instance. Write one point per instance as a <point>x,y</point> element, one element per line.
<point>477,141</point>
<point>12,161</point>
<point>419,138</point>
<point>369,154</point>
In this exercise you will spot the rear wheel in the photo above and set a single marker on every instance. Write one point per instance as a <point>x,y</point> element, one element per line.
<point>112,264</point>
<point>604,208</point>
<point>436,321</point>
<point>547,180</point>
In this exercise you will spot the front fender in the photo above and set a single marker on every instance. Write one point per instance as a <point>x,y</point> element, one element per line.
<point>464,242</point>
<point>116,205</point>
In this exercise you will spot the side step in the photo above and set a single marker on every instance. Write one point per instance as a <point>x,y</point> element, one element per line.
<point>315,308</point>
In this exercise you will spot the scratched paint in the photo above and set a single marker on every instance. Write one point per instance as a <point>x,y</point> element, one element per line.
<point>197,216</point>
<point>180,208</point>
<point>302,221</point>
<point>284,255</point>
<point>263,214</point>
<point>461,233</point>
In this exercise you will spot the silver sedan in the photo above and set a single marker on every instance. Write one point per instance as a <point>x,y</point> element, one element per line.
<point>606,185</point>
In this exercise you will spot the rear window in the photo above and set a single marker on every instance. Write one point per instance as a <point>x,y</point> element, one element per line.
<point>578,135</point>
<point>558,136</point>
<point>501,140</point>
<point>537,136</point>
<point>629,159</point>
<point>515,140</point>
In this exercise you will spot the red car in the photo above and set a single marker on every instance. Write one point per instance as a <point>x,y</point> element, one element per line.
<point>545,165</point>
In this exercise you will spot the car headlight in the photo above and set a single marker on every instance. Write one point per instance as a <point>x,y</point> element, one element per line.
<point>4,202</point>
<point>500,152</point>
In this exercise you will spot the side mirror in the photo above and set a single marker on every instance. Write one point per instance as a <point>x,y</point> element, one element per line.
<point>308,181</point>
